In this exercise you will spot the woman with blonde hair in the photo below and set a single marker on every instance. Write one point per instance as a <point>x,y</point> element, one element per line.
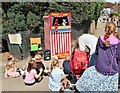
<point>104,75</point>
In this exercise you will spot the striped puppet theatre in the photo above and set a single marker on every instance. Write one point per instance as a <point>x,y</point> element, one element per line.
<point>57,29</point>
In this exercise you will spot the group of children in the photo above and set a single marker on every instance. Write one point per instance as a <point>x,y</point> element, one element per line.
<point>58,78</point>
<point>32,72</point>
<point>35,70</point>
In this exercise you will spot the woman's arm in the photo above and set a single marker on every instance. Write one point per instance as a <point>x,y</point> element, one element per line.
<point>118,57</point>
<point>97,46</point>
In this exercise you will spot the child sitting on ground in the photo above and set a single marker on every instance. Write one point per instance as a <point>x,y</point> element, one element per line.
<point>31,73</point>
<point>11,70</point>
<point>66,64</point>
<point>66,86</point>
<point>39,66</point>
<point>56,74</point>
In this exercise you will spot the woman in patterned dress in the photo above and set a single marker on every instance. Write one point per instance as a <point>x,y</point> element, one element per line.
<point>104,75</point>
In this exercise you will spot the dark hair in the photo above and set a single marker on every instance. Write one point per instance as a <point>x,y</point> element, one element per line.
<point>76,44</point>
<point>66,83</point>
<point>10,57</point>
<point>112,19</point>
<point>31,65</point>
<point>109,29</point>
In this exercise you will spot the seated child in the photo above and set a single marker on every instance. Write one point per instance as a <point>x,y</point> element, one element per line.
<point>66,86</point>
<point>56,74</point>
<point>66,64</point>
<point>11,69</point>
<point>31,73</point>
<point>39,65</point>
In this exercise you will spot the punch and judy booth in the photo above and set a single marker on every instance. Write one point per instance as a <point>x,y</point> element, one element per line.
<point>57,32</point>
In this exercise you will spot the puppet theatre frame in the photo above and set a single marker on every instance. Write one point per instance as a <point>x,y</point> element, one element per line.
<point>57,34</point>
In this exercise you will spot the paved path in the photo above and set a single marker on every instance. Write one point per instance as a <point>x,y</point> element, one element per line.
<point>100,29</point>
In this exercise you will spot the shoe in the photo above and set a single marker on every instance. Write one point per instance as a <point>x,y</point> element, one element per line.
<point>46,74</point>
<point>39,79</point>
<point>23,76</point>
<point>22,72</point>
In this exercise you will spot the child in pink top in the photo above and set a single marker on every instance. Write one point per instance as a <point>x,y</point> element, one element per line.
<point>31,73</point>
<point>11,70</point>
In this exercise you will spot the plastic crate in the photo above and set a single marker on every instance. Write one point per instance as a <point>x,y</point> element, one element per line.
<point>34,47</point>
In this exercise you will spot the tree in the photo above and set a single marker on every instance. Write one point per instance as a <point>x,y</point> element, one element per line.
<point>98,9</point>
<point>22,16</point>
<point>81,11</point>
<point>6,6</point>
<point>15,23</point>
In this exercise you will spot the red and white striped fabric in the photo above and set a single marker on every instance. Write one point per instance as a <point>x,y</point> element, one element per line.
<point>60,42</point>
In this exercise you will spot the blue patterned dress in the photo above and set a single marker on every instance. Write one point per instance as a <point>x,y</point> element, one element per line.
<point>91,80</point>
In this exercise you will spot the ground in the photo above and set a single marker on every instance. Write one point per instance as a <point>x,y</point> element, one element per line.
<point>17,84</point>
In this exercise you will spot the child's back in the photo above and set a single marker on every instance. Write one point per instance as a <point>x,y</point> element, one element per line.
<point>66,65</point>
<point>55,77</point>
<point>31,73</point>
<point>29,78</point>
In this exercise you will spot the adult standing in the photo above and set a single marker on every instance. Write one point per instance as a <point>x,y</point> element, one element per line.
<point>104,75</point>
<point>90,41</point>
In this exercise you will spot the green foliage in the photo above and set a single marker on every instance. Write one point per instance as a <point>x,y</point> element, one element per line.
<point>32,21</point>
<point>15,23</point>
<point>6,6</point>
<point>0,29</point>
<point>98,8</point>
<point>81,11</point>
<point>21,16</point>
<point>1,11</point>
<point>115,14</point>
